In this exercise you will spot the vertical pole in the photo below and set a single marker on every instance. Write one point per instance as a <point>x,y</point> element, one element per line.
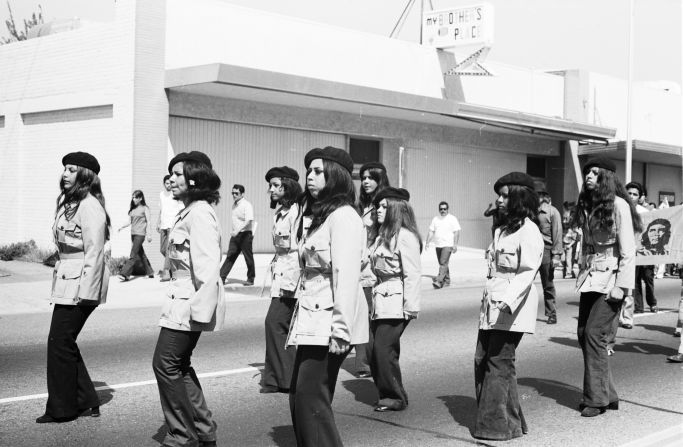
<point>422,9</point>
<point>400,166</point>
<point>629,97</point>
<point>574,150</point>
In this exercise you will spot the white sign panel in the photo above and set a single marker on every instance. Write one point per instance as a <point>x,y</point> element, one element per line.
<point>454,27</point>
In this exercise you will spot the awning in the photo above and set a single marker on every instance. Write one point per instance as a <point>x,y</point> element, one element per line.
<point>643,151</point>
<point>249,84</point>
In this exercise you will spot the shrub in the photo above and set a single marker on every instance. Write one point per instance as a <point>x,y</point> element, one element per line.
<point>17,250</point>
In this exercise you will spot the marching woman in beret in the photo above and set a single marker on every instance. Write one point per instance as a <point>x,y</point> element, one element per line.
<point>508,308</point>
<point>395,260</point>
<point>284,189</point>
<point>79,285</point>
<point>606,275</point>
<point>331,314</point>
<point>373,179</point>
<point>195,300</point>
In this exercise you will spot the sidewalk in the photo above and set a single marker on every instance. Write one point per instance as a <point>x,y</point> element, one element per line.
<point>27,287</point>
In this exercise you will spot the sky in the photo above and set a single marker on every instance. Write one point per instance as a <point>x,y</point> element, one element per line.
<point>537,34</point>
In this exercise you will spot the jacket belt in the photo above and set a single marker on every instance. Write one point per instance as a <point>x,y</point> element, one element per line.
<point>386,278</point>
<point>74,255</point>
<point>502,275</point>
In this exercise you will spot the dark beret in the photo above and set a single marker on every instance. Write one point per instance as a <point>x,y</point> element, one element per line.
<point>82,159</point>
<point>330,153</point>
<point>514,178</point>
<point>283,171</point>
<point>600,162</point>
<point>199,157</point>
<point>392,193</point>
<point>539,187</point>
<point>372,165</point>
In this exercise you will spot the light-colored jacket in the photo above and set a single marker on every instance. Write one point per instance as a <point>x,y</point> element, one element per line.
<point>398,270</point>
<point>331,302</point>
<point>513,260</point>
<point>369,218</point>
<point>608,256</point>
<point>81,276</point>
<point>285,266</point>
<point>195,299</point>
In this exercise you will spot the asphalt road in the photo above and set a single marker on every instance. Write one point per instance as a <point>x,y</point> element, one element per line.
<point>437,352</point>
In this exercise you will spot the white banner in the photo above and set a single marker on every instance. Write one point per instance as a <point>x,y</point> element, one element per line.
<point>661,241</point>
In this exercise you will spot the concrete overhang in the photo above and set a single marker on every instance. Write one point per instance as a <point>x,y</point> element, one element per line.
<point>249,84</point>
<point>643,151</point>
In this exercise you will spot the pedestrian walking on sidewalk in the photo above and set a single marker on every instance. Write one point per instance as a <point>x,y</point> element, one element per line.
<point>607,271</point>
<point>508,308</point>
<point>81,278</point>
<point>444,232</point>
<point>395,260</point>
<point>168,210</point>
<point>195,301</point>
<point>331,314</point>
<point>550,225</point>
<point>241,236</point>
<point>373,179</point>
<point>284,189</point>
<point>140,227</point>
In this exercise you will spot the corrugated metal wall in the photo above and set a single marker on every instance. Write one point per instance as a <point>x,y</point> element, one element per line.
<point>242,153</point>
<point>463,177</point>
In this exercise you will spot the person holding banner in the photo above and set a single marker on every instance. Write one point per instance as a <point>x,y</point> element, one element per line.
<point>607,274</point>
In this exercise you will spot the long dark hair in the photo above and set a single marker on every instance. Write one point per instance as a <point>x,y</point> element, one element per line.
<point>86,182</point>
<point>339,191</point>
<point>292,190</point>
<point>522,203</point>
<point>379,175</point>
<point>138,195</point>
<point>399,215</point>
<point>202,182</point>
<point>600,201</point>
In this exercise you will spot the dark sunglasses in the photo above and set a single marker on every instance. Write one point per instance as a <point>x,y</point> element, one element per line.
<point>443,209</point>
<point>235,194</point>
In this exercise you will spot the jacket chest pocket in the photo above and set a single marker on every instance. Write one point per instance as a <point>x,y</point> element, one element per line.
<point>507,258</point>
<point>69,233</point>
<point>382,260</point>
<point>315,313</point>
<point>67,278</point>
<point>387,300</point>
<point>179,246</point>
<point>317,255</point>
<point>281,240</point>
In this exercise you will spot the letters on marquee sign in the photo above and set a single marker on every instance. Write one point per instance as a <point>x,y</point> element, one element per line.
<point>469,25</point>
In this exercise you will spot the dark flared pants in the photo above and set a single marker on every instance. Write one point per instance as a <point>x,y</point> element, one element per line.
<point>443,255</point>
<point>188,419</point>
<point>386,371</point>
<point>644,274</point>
<point>69,387</point>
<point>279,363</point>
<point>597,327</point>
<point>242,243</point>
<point>547,272</point>
<point>163,247</point>
<point>310,396</point>
<point>364,351</point>
<point>499,414</point>
<point>137,256</point>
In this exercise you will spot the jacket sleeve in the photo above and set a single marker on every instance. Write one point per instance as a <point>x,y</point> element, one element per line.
<point>205,256</point>
<point>556,231</point>
<point>346,245</point>
<point>93,222</point>
<point>627,245</point>
<point>530,254</point>
<point>409,250</point>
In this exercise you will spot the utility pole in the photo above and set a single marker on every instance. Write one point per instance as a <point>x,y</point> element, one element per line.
<point>629,97</point>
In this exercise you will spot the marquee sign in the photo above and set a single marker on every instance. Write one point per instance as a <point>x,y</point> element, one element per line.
<point>456,27</point>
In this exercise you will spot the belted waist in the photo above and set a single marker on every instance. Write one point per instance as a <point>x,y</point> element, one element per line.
<point>72,255</point>
<point>502,275</point>
<point>316,276</point>
<point>386,278</point>
<point>68,249</point>
<point>607,250</point>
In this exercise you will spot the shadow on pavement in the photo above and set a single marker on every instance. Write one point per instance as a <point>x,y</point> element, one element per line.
<point>105,395</point>
<point>363,390</point>
<point>669,330</point>
<point>160,435</point>
<point>463,409</point>
<point>566,395</point>
<point>622,345</point>
<point>283,436</point>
